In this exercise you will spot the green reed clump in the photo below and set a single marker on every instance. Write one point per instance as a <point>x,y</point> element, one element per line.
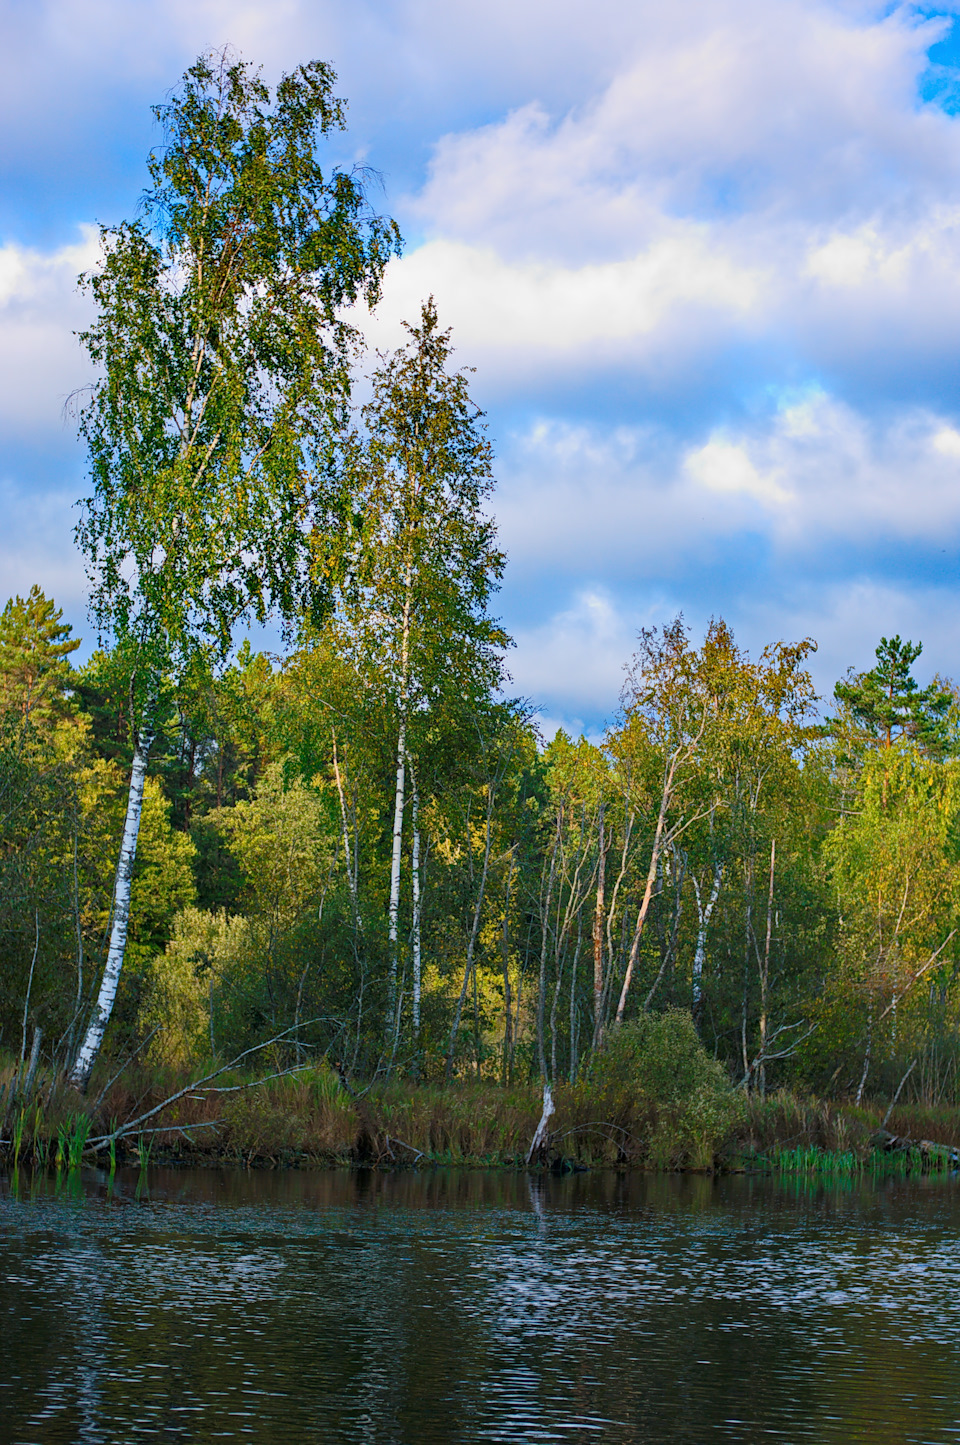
<point>814,1160</point>
<point>72,1135</point>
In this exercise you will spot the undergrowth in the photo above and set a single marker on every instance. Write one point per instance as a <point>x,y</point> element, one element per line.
<point>651,1100</point>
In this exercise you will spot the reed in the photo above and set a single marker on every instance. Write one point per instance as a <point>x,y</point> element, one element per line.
<point>608,1119</point>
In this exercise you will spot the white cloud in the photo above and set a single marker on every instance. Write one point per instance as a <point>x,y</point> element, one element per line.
<point>575,658</point>
<point>723,466</point>
<point>645,224</point>
<point>847,619</point>
<point>519,315</point>
<point>827,473</point>
<point>40,307</point>
<point>637,506</point>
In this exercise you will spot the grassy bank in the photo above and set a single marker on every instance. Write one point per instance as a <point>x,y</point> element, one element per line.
<point>309,1118</point>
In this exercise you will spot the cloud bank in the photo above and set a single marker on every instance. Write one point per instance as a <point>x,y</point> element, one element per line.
<point>704,259</point>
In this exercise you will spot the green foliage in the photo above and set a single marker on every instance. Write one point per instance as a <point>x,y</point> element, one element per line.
<point>421,562</point>
<point>658,1058</point>
<point>35,647</point>
<point>887,703</point>
<point>659,1061</point>
<point>222,356</point>
<point>284,840</point>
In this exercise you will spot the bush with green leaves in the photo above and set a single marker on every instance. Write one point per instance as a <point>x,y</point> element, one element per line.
<point>657,1065</point>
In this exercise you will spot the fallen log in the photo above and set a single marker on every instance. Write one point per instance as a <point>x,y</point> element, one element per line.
<point>889,1143</point>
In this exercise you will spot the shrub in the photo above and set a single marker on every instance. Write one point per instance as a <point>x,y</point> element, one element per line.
<point>657,1062</point>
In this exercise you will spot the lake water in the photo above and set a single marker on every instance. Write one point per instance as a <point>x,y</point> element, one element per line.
<point>456,1306</point>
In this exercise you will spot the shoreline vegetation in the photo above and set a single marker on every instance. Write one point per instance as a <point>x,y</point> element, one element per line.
<point>346,903</point>
<point>308,1117</point>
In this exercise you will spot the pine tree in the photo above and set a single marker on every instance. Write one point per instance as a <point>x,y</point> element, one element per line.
<point>887,702</point>
<point>35,645</point>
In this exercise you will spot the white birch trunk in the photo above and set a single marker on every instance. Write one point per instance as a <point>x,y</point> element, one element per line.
<point>394,908</point>
<point>394,912</point>
<point>84,1062</point>
<point>351,874</point>
<point>704,915</point>
<point>658,839</point>
<point>415,869</point>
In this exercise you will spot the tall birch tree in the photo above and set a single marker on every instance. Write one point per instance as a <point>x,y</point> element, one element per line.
<point>223,373</point>
<point>424,561</point>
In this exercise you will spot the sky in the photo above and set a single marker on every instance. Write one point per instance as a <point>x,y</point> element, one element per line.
<point>703,257</point>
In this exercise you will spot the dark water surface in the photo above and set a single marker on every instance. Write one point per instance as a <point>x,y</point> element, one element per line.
<point>455,1307</point>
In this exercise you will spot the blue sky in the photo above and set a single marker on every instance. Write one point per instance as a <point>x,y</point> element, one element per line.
<point>703,257</point>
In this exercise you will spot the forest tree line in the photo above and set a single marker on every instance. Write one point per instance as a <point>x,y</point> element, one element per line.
<point>791,882</point>
<point>361,847</point>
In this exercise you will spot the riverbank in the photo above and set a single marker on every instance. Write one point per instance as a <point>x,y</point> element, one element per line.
<point>312,1118</point>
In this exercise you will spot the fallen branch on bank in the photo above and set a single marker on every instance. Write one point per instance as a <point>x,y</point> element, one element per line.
<point>417,1153</point>
<point>132,1126</point>
<point>889,1143</point>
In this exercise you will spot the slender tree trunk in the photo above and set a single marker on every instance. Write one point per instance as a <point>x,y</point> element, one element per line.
<point>394,908</point>
<point>507,1004</point>
<point>472,941</point>
<point>544,927</point>
<point>598,916</point>
<point>558,964</point>
<point>573,998</point>
<point>417,904</point>
<point>89,1049</point>
<point>611,919</point>
<point>747,936</point>
<point>703,923</point>
<point>668,948</point>
<point>79,932</point>
<point>351,875</point>
<point>867,1052</point>
<point>658,841</point>
<point>765,971</point>
<point>33,964</point>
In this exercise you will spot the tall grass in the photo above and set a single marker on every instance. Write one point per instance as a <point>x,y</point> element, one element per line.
<point>630,1111</point>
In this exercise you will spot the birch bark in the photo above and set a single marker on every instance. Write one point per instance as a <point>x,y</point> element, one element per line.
<point>83,1064</point>
<point>704,915</point>
<point>598,915</point>
<point>658,841</point>
<point>400,797</point>
<point>417,903</point>
<point>765,970</point>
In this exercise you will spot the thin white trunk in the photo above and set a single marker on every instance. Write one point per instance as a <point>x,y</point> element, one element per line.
<point>472,941</point>
<point>394,913</point>
<point>351,872</point>
<point>394,909</point>
<point>704,916</point>
<point>658,841</point>
<point>765,971</point>
<point>80,1073</point>
<point>415,868</point>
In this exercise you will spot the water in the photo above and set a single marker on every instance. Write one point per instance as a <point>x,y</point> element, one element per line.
<point>453,1307</point>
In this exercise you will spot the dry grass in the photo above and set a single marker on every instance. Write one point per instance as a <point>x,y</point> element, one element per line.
<point>309,1118</point>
